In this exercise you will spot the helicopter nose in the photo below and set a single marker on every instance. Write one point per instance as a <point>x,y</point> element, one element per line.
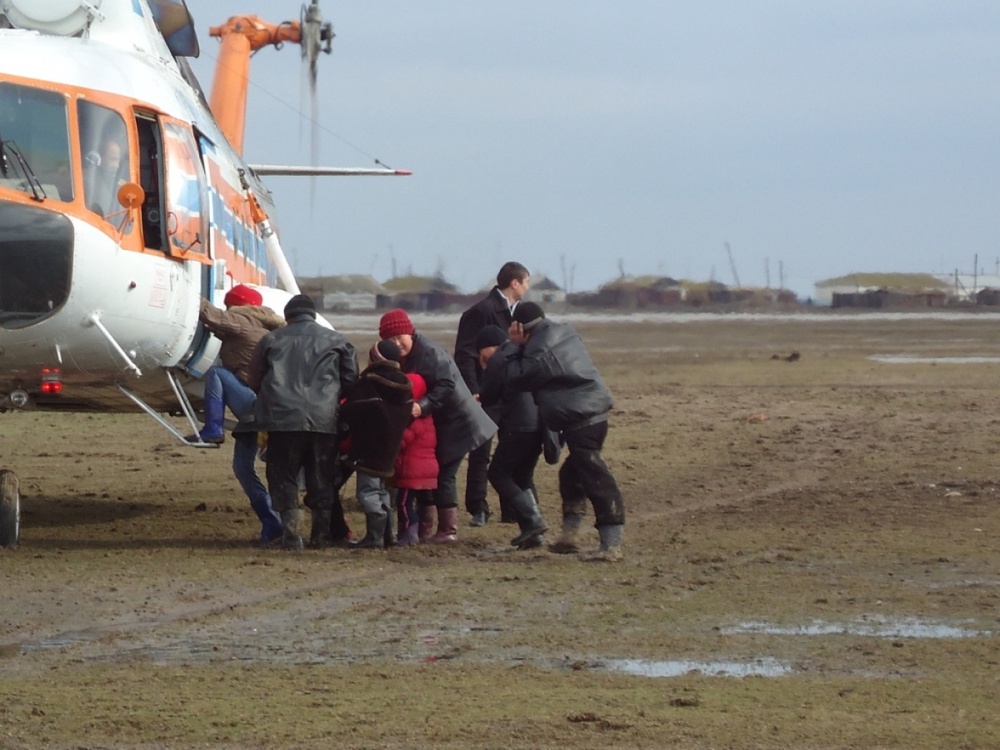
<point>36,252</point>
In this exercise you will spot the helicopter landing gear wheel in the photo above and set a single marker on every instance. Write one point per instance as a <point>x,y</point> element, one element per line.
<point>10,508</point>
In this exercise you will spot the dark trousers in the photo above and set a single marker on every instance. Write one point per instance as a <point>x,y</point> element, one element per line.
<point>446,494</point>
<point>408,504</point>
<point>584,476</point>
<point>512,469</point>
<point>475,479</point>
<point>314,454</point>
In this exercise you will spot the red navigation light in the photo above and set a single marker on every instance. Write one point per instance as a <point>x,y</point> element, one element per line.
<point>51,380</point>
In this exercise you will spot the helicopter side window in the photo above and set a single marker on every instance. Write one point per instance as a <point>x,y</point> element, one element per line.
<point>34,142</point>
<point>104,144</point>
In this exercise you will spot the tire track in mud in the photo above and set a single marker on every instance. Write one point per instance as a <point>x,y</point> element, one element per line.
<point>799,480</point>
<point>101,639</point>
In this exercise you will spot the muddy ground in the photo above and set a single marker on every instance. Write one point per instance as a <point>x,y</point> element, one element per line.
<point>812,561</point>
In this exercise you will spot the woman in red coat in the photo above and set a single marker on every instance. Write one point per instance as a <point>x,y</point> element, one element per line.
<point>416,474</point>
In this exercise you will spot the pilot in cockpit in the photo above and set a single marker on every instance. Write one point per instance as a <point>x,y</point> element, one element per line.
<point>103,176</point>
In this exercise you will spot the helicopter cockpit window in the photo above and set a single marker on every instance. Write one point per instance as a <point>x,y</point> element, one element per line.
<point>34,143</point>
<point>104,144</point>
<point>174,22</point>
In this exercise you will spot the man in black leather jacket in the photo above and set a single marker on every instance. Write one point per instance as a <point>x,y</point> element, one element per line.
<point>554,365</point>
<point>297,372</point>
<point>519,446</point>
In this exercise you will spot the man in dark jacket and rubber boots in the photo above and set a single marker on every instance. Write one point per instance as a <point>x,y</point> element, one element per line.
<point>519,446</point>
<point>298,372</point>
<point>554,365</point>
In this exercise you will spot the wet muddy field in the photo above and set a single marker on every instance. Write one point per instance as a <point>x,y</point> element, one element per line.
<point>812,560</point>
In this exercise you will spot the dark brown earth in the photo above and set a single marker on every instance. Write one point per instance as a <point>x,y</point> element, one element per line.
<point>812,560</point>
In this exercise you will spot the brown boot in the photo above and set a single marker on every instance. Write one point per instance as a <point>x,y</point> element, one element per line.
<point>567,544</point>
<point>427,517</point>
<point>447,530</point>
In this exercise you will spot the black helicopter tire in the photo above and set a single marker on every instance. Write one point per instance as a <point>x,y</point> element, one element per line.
<point>10,509</point>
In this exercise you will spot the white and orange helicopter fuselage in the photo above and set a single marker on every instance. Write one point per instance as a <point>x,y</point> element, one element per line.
<point>99,299</point>
<point>124,201</point>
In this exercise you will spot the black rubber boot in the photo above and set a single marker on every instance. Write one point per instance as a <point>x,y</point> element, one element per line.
<point>528,518</point>
<point>374,537</point>
<point>320,536</point>
<point>291,535</point>
<point>611,544</point>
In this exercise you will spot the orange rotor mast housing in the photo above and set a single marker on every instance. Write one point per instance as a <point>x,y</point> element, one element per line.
<point>241,36</point>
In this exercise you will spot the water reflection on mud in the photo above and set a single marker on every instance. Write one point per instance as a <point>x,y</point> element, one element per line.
<point>876,627</point>
<point>249,646</point>
<point>648,668</point>
<point>907,359</point>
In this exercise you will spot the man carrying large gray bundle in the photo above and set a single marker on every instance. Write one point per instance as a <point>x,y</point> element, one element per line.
<point>554,365</point>
<point>298,372</point>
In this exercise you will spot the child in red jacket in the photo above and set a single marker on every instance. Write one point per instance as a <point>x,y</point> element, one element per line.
<point>416,474</point>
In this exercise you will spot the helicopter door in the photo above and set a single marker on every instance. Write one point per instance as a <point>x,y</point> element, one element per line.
<point>187,221</point>
<point>186,193</point>
<point>151,176</point>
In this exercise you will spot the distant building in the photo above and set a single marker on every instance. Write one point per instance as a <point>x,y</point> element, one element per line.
<point>887,298</point>
<point>545,291</point>
<point>965,287</point>
<point>633,293</point>
<point>905,289</point>
<point>988,297</point>
<point>350,292</point>
<point>422,293</point>
<point>853,287</point>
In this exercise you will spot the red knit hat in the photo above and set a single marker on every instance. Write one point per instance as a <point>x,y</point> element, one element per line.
<point>395,323</point>
<point>243,295</point>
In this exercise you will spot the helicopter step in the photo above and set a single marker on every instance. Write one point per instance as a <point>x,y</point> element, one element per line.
<point>186,407</point>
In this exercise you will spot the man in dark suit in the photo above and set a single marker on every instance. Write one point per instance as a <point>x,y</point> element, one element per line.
<point>495,309</point>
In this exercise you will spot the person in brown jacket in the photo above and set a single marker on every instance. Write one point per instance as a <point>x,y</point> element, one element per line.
<point>239,327</point>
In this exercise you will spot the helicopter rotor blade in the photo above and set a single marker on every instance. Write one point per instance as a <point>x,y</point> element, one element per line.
<point>317,36</point>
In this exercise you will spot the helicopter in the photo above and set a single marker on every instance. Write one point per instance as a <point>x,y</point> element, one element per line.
<point>125,199</point>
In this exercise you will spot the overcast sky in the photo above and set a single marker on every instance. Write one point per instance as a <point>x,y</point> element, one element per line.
<point>589,138</point>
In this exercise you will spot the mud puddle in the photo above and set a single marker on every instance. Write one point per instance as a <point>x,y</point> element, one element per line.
<point>907,359</point>
<point>875,627</point>
<point>649,668</point>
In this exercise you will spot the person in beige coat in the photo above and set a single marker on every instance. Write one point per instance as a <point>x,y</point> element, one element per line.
<point>239,327</point>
